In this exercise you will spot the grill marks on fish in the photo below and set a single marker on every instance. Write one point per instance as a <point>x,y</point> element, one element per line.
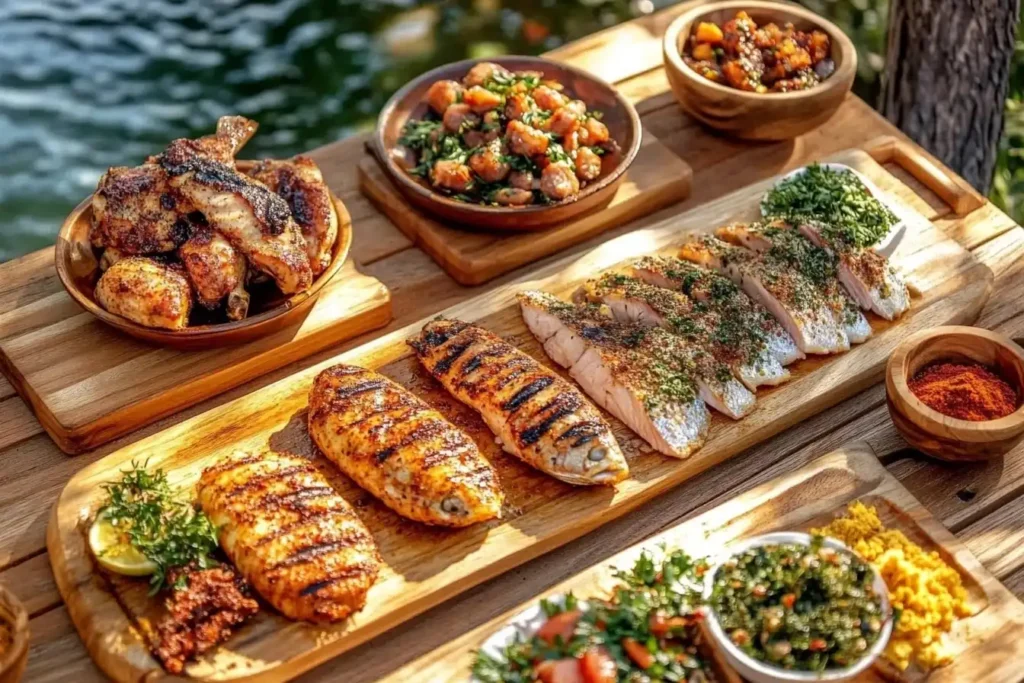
<point>400,449</point>
<point>526,405</point>
<point>286,529</point>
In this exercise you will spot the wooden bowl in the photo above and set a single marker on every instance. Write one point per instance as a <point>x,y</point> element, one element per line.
<point>78,267</point>
<point>619,115</point>
<point>757,116</point>
<point>930,431</point>
<point>12,613</point>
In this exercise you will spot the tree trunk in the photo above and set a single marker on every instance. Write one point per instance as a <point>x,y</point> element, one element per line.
<point>946,78</point>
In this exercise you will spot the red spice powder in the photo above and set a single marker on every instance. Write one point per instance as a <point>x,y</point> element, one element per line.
<point>966,391</point>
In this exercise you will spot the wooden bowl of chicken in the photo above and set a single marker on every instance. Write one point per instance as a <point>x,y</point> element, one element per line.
<point>409,104</point>
<point>78,266</point>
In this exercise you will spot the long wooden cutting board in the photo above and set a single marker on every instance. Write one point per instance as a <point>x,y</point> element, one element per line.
<point>987,647</point>
<point>426,566</point>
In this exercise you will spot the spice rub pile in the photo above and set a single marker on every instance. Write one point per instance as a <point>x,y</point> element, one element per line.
<point>965,391</point>
<point>927,594</point>
<point>506,138</point>
<point>761,59</point>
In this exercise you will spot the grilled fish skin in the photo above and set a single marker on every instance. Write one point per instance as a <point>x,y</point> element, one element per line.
<point>537,416</point>
<point>147,292</point>
<point>400,449</point>
<point>654,396</point>
<point>300,183</point>
<point>729,341</point>
<point>290,534</point>
<point>720,295</point>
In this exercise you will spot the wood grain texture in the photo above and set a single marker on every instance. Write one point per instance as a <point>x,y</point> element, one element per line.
<point>426,567</point>
<point>986,646</point>
<point>89,384</point>
<point>15,655</point>
<point>656,179</point>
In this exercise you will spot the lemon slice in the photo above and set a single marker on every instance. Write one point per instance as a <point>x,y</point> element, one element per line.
<point>114,552</point>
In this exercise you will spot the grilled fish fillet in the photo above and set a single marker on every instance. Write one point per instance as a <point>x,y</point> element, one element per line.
<point>400,449</point>
<point>300,183</point>
<point>537,416</point>
<point>217,271</point>
<point>791,298</point>
<point>291,535</point>
<point>654,395</point>
<point>729,341</point>
<point>720,295</point>
<point>147,292</point>
<point>783,248</point>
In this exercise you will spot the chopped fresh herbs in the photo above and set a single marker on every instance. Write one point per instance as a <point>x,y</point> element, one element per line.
<point>835,200</point>
<point>160,522</point>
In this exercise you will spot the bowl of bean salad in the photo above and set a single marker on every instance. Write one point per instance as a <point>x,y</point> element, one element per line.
<point>794,607</point>
<point>509,143</point>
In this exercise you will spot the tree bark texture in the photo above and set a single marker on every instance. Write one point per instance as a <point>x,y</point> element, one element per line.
<point>946,78</point>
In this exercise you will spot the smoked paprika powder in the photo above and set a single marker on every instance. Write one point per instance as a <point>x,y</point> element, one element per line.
<point>965,391</point>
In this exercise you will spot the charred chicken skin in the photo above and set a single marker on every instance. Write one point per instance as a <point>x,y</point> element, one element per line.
<point>147,292</point>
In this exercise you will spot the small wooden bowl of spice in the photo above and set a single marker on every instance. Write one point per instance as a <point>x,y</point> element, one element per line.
<point>13,637</point>
<point>955,392</point>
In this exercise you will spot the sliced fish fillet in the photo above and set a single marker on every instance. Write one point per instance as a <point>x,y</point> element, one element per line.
<point>535,414</point>
<point>658,401</point>
<point>791,298</point>
<point>721,296</point>
<point>400,449</point>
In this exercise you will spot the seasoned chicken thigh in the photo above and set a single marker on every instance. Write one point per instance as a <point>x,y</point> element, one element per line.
<point>147,292</point>
<point>217,270</point>
<point>299,182</point>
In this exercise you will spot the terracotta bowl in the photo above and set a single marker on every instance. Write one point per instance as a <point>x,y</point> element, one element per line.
<point>757,116</point>
<point>269,311</point>
<point>930,431</point>
<point>12,613</point>
<point>619,115</point>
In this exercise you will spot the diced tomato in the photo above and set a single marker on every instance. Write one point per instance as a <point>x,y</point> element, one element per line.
<point>561,625</point>
<point>640,655</point>
<point>817,645</point>
<point>788,600</point>
<point>598,667</point>
<point>560,671</point>
<point>660,624</point>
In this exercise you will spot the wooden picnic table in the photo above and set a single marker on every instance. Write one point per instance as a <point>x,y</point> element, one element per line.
<point>981,503</point>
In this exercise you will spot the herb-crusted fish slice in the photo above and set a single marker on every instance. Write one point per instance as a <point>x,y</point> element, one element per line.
<point>537,416</point>
<point>722,296</point>
<point>794,301</point>
<point>290,534</point>
<point>400,449</point>
<point>742,349</point>
<point>653,395</point>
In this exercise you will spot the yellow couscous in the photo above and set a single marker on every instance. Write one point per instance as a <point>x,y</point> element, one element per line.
<point>927,593</point>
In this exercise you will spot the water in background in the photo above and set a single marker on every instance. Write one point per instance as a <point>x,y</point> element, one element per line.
<point>88,84</point>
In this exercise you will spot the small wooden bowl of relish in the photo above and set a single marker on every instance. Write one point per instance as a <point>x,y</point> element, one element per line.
<point>955,392</point>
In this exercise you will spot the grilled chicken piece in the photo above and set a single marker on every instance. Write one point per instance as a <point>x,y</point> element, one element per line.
<point>731,342</point>
<point>536,415</point>
<point>299,182</point>
<point>135,211</point>
<point>217,271</point>
<point>784,248</point>
<point>869,278</point>
<point>721,296</point>
<point>290,534</point>
<point>792,299</point>
<point>400,449</point>
<point>110,257</point>
<point>651,394</point>
<point>147,292</point>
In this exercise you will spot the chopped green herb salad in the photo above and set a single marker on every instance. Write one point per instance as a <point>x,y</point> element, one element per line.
<point>646,632</point>
<point>506,139</point>
<point>808,608</point>
<point>836,200</point>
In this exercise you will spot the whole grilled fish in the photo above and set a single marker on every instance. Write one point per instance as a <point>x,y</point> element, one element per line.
<point>400,449</point>
<point>538,416</point>
<point>290,534</point>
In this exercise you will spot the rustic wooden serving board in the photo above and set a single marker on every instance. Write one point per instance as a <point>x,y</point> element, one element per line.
<point>988,646</point>
<point>89,384</point>
<point>657,178</point>
<point>427,566</point>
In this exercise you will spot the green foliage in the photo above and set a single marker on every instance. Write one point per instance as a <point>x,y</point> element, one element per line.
<point>1008,183</point>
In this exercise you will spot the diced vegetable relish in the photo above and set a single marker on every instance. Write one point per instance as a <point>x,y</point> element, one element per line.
<point>798,607</point>
<point>645,633</point>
